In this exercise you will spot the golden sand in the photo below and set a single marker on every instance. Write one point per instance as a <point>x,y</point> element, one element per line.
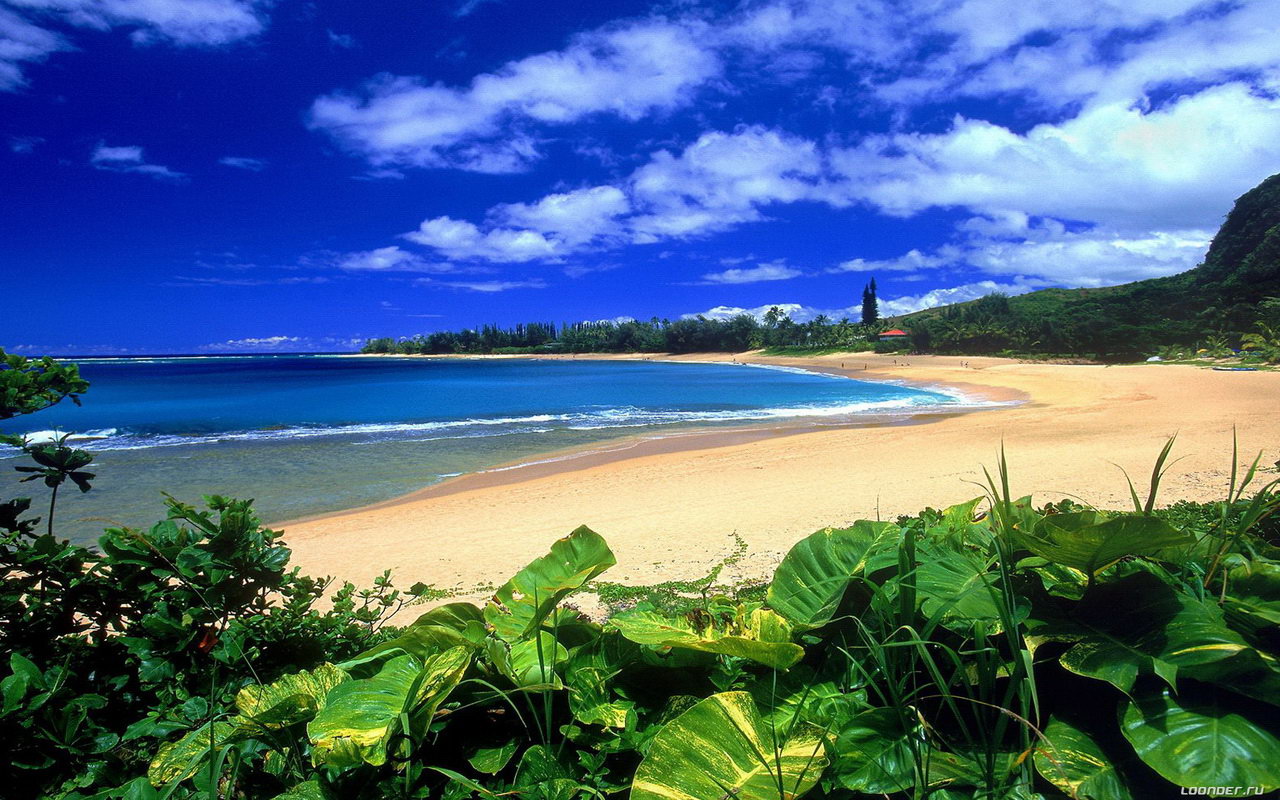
<point>668,507</point>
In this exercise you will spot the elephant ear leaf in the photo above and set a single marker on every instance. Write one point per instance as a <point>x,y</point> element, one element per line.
<point>761,635</point>
<point>812,578</point>
<point>361,716</point>
<point>523,602</point>
<point>1139,624</point>
<point>177,761</point>
<point>291,699</point>
<point>1071,760</point>
<point>721,748</point>
<point>448,626</point>
<point>1200,743</point>
<point>1088,541</point>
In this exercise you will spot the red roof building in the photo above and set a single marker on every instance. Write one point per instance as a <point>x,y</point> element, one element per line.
<point>893,334</point>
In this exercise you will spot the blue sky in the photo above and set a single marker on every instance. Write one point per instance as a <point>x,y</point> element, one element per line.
<point>243,175</point>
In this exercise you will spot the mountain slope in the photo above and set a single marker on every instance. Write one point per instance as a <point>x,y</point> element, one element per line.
<point>1219,297</point>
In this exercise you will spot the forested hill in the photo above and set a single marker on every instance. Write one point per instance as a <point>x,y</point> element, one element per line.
<point>1210,306</point>
<point>1215,302</point>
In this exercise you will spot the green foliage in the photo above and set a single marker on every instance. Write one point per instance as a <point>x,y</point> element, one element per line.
<point>1202,742</point>
<point>1135,320</point>
<point>31,385</point>
<point>952,654</point>
<point>523,602</point>
<point>722,748</point>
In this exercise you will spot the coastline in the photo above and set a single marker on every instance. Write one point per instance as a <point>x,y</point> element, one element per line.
<point>668,506</point>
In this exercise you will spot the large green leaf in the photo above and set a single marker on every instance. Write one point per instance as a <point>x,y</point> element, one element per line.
<point>1140,624</point>
<point>759,635</point>
<point>720,748</point>
<point>291,699</point>
<point>1252,673</point>
<point>872,753</point>
<point>808,584</point>
<point>523,602</point>
<point>957,588</point>
<point>311,790</point>
<point>1200,742</point>
<point>1071,760</point>
<point>591,700</point>
<point>530,662</point>
<point>442,628</point>
<point>1090,540</point>
<point>1253,594</point>
<point>360,716</point>
<point>177,761</point>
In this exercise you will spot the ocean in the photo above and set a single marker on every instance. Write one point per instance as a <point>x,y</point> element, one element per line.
<point>305,435</point>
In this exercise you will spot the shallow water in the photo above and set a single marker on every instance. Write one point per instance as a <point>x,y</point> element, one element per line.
<point>310,434</point>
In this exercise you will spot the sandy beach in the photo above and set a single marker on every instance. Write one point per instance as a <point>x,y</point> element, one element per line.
<point>669,507</point>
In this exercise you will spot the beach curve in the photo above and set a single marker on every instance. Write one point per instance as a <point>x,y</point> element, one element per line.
<point>669,506</point>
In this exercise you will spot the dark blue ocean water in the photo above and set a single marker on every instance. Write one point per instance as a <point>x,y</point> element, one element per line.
<point>310,434</point>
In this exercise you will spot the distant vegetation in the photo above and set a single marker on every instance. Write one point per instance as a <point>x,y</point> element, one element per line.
<point>1231,301</point>
<point>1025,652</point>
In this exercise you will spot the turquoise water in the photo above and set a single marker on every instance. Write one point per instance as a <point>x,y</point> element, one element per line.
<point>310,434</point>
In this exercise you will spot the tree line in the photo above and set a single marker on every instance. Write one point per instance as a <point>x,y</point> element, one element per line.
<point>693,335</point>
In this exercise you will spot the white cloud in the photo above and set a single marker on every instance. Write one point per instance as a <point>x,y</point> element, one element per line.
<point>285,344</point>
<point>129,159</point>
<point>574,218</point>
<point>193,23</point>
<point>722,180</point>
<point>463,240</point>
<point>1090,258</point>
<point>1092,50</point>
<point>486,287</point>
<point>21,41</point>
<point>1115,165</point>
<point>626,71</point>
<point>182,22</point>
<point>240,162</point>
<point>769,271</point>
<point>389,259</point>
<point>911,261</point>
<point>795,311</point>
<point>719,181</point>
<point>905,304</point>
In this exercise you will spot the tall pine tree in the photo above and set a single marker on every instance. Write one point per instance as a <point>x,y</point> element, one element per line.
<point>870,309</point>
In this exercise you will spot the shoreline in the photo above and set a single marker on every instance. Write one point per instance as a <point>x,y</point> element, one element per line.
<point>669,511</point>
<point>628,446</point>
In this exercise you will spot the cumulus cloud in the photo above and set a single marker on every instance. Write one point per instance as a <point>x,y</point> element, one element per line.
<point>893,306</point>
<point>911,261</point>
<point>905,304</point>
<point>795,311</point>
<point>455,238</point>
<point>204,23</point>
<point>625,71</point>
<point>768,271</point>
<point>1117,165</point>
<point>717,182</point>
<point>284,344</point>
<point>389,259</point>
<point>129,159</point>
<point>722,180</point>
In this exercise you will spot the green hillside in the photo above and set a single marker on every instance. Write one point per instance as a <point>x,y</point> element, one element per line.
<point>1215,302</point>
